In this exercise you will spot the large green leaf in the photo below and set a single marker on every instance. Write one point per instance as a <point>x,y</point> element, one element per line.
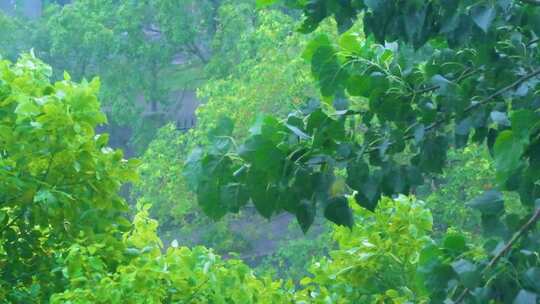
<point>490,203</point>
<point>532,278</point>
<point>525,297</point>
<point>338,211</point>
<point>432,157</point>
<point>507,154</point>
<point>467,272</point>
<point>328,70</point>
<point>305,215</point>
<point>483,16</point>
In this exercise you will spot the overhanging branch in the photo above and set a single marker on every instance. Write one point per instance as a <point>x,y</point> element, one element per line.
<point>532,2</point>
<point>531,222</point>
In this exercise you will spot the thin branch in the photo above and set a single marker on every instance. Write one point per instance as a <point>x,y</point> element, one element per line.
<point>192,297</point>
<point>466,73</point>
<point>532,2</point>
<point>533,42</point>
<point>472,106</point>
<point>487,99</point>
<point>426,90</point>
<point>534,218</point>
<point>504,90</point>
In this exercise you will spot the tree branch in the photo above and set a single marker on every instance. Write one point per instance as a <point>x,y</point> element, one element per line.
<point>487,99</point>
<point>197,290</point>
<point>535,217</point>
<point>531,2</point>
<point>466,73</point>
<point>533,42</point>
<point>469,108</point>
<point>504,90</point>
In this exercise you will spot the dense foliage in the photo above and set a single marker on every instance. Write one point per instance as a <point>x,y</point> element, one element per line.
<point>60,181</point>
<point>458,72</point>
<point>377,262</point>
<point>64,233</point>
<point>180,275</point>
<point>242,92</point>
<point>344,110</point>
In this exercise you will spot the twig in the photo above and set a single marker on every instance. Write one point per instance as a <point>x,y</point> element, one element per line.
<point>535,217</point>
<point>531,2</point>
<point>466,73</point>
<point>197,290</point>
<point>472,106</point>
<point>487,99</point>
<point>533,42</point>
<point>504,90</point>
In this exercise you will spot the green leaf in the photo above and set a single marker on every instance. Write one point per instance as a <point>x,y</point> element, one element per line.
<point>351,42</point>
<point>263,195</point>
<point>305,215</point>
<point>338,211</point>
<point>432,158</point>
<point>314,44</point>
<point>369,193</point>
<point>357,173</point>
<point>224,127</point>
<point>523,121</point>
<point>481,294</point>
<point>193,171</point>
<point>359,85</point>
<point>532,278</point>
<point>455,242</point>
<point>490,202</point>
<point>525,297</point>
<point>263,155</point>
<point>327,70</point>
<point>467,272</point>
<point>208,197</point>
<point>316,11</point>
<point>483,16</point>
<point>27,107</point>
<point>264,3</point>
<point>235,196</point>
<point>507,152</point>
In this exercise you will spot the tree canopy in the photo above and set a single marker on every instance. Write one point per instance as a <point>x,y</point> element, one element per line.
<point>431,75</point>
<point>347,110</point>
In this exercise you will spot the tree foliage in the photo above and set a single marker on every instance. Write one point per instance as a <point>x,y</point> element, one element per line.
<point>431,74</point>
<point>60,181</point>
<point>245,90</point>
<point>180,275</point>
<point>64,236</point>
<point>400,88</point>
<point>377,262</point>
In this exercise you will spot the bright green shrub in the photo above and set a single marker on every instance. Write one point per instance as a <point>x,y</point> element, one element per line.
<point>63,231</point>
<point>180,275</point>
<point>376,261</point>
<point>59,181</point>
